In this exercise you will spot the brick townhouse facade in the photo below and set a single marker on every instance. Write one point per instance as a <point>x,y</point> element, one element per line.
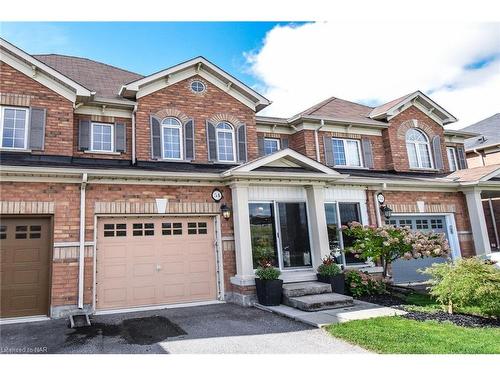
<point>121,191</point>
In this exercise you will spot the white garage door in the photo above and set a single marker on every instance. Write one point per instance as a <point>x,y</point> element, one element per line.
<point>154,261</point>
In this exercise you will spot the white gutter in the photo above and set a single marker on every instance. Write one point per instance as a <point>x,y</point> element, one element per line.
<point>81,260</point>
<point>479,154</point>
<point>133,133</point>
<point>316,140</point>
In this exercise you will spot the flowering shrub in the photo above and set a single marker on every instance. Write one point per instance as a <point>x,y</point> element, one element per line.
<point>329,267</point>
<point>361,283</point>
<point>471,282</point>
<point>389,243</point>
<point>265,261</point>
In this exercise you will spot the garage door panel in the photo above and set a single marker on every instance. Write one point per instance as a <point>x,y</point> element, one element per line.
<point>25,266</point>
<point>168,266</point>
<point>114,271</point>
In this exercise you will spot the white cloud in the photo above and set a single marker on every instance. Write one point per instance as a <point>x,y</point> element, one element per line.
<point>299,66</point>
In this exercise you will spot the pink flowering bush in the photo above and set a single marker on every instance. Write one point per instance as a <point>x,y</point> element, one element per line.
<point>361,283</point>
<point>389,243</point>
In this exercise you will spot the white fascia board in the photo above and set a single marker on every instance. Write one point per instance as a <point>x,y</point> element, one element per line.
<point>279,129</point>
<point>460,133</point>
<point>285,153</point>
<point>99,111</point>
<point>31,61</point>
<point>116,102</point>
<point>342,128</point>
<point>206,67</point>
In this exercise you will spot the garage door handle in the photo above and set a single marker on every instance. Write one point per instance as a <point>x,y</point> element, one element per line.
<point>158,267</point>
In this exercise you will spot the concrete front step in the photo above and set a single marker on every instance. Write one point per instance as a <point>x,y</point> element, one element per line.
<point>305,289</point>
<point>317,302</point>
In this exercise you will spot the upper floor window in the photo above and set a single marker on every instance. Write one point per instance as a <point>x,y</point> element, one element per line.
<point>102,136</point>
<point>14,127</point>
<point>346,152</point>
<point>171,130</point>
<point>271,145</point>
<point>452,158</point>
<point>225,142</point>
<point>419,152</point>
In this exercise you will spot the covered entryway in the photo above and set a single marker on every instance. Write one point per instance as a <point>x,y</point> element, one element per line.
<point>145,261</point>
<point>406,271</point>
<point>25,266</point>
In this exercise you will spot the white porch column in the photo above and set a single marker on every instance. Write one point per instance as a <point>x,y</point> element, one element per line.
<point>317,219</point>
<point>477,221</point>
<point>242,241</point>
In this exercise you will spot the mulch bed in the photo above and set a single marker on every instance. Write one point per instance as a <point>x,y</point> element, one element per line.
<point>463,320</point>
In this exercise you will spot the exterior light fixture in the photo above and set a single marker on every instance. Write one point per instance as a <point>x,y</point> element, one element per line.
<point>225,211</point>
<point>386,211</point>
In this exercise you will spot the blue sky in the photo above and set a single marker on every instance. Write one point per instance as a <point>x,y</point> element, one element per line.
<point>144,47</point>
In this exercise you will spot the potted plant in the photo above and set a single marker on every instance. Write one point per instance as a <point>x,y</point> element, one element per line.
<point>331,273</point>
<point>267,283</point>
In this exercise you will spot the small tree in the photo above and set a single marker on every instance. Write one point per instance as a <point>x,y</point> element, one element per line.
<point>389,243</point>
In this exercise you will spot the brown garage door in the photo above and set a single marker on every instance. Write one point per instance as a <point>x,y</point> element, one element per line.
<point>153,261</point>
<point>25,266</point>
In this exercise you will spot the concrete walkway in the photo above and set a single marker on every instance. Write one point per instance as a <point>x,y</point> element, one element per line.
<point>221,328</point>
<point>360,310</point>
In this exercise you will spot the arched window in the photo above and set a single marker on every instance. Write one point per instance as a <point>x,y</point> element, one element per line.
<point>419,151</point>
<point>171,135</point>
<point>225,142</point>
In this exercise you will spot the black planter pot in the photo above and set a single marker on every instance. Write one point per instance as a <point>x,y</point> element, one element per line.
<point>337,282</point>
<point>269,291</point>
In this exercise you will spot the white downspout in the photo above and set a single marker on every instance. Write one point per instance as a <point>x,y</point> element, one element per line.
<point>81,260</point>
<point>133,134</point>
<point>480,155</point>
<point>316,140</point>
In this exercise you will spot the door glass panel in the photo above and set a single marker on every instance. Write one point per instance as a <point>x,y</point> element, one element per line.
<point>333,230</point>
<point>295,247</point>
<point>349,212</point>
<point>262,231</point>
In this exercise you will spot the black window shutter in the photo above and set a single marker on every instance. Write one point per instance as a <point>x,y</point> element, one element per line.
<point>37,128</point>
<point>84,135</point>
<point>155,137</point>
<point>211,142</point>
<point>366,147</point>
<point>260,144</point>
<point>189,140</point>
<point>284,143</point>
<point>241,136</point>
<point>436,150</point>
<point>328,146</point>
<point>462,161</point>
<point>120,138</point>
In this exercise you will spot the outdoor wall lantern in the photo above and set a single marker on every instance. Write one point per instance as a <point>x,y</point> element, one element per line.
<point>386,211</point>
<point>225,211</point>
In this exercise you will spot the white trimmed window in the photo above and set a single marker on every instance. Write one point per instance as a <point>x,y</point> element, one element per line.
<point>14,127</point>
<point>225,142</point>
<point>418,148</point>
<point>102,136</point>
<point>271,145</point>
<point>346,152</point>
<point>452,158</point>
<point>171,135</point>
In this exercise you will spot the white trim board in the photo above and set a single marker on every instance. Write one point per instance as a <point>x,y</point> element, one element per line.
<point>24,319</point>
<point>157,307</point>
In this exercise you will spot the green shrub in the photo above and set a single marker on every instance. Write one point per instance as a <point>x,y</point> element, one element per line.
<point>361,283</point>
<point>268,273</point>
<point>328,267</point>
<point>466,283</point>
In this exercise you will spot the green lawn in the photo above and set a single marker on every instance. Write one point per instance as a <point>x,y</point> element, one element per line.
<point>403,336</point>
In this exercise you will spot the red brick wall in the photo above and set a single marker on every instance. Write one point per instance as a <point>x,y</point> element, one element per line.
<point>448,198</point>
<point>59,121</point>
<point>395,143</point>
<point>303,141</point>
<point>200,107</point>
<point>104,119</point>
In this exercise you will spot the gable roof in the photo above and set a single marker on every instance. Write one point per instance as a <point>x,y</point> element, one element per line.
<point>106,80</point>
<point>418,98</point>
<point>478,174</point>
<point>29,65</point>
<point>200,66</point>
<point>489,133</point>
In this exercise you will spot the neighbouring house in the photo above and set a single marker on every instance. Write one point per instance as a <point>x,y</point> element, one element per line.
<point>484,150</point>
<point>121,191</point>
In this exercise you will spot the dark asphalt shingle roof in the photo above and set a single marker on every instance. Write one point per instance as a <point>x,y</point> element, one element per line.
<point>104,79</point>
<point>489,128</point>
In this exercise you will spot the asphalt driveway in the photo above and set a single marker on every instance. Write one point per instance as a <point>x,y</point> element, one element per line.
<point>221,328</point>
